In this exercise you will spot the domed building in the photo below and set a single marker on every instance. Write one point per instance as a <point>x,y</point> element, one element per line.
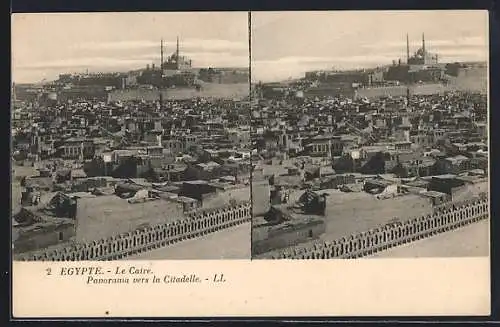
<point>421,56</point>
<point>176,61</point>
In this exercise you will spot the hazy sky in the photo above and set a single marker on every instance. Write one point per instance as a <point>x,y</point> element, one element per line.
<point>287,44</point>
<point>284,44</point>
<point>44,45</point>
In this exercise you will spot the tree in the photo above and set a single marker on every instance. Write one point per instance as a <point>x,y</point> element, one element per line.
<point>375,165</point>
<point>399,170</point>
<point>344,164</point>
<point>94,168</point>
<point>126,169</point>
<point>150,175</point>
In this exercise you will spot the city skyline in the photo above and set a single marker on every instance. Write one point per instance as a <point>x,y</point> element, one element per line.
<point>98,42</point>
<point>108,42</point>
<point>282,47</point>
<point>188,162</point>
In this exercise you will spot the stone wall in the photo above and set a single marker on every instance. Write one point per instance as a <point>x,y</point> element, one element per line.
<point>377,92</point>
<point>261,192</point>
<point>195,224</point>
<point>445,218</point>
<point>289,236</point>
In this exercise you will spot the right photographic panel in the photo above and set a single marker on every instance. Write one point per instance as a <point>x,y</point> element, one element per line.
<point>370,134</point>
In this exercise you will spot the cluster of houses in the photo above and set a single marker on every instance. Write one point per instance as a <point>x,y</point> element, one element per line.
<point>184,154</point>
<point>432,145</point>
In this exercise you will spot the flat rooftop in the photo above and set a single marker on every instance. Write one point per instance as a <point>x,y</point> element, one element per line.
<point>107,215</point>
<point>223,198</point>
<point>349,213</point>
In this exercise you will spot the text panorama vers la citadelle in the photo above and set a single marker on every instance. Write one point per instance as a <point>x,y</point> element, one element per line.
<point>131,275</point>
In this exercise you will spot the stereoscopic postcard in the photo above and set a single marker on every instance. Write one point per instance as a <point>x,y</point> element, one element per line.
<point>208,164</point>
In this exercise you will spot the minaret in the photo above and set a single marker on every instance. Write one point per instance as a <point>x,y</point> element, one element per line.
<point>161,56</point>
<point>408,63</point>
<point>423,42</point>
<point>161,73</point>
<point>177,49</point>
<point>407,49</point>
<point>177,53</point>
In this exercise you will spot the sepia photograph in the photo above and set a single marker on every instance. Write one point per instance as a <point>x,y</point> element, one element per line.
<point>195,164</point>
<point>370,134</point>
<point>130,136</point>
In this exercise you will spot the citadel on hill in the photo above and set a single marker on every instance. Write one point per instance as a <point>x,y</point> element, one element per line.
<point>420,73</point>
<point>354,162</point>
<point>175,75</point>
<point>146,164</point>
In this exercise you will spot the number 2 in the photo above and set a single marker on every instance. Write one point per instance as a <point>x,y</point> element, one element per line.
<point>48,270</point>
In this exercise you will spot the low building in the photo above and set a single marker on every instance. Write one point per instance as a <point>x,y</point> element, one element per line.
<point>324,146</point>
<point>436,198</point>
<point>196,189</point>
<point>47,224</point>
<point>180,144</point>
<point>78,148</point>
<point>453,165</point>
<point>444,183</point>
<point>382,188</point>
<point>203,171</point>
<point>41,234</point>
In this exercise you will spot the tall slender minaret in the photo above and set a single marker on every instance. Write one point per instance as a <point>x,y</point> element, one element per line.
<point>424,53</point>
<point>161,73</point>
<point>177,53</point>
<point>177,49</point>
<point>423,42</point>
<point>407,49</point>
<point>161,55</point>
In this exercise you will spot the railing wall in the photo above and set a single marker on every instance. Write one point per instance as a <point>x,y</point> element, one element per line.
<point>444,218</point>
<point>117,247</point>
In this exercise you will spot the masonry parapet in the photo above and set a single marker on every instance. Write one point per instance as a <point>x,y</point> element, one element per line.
<point>448,217</point>
<point>148,238</point>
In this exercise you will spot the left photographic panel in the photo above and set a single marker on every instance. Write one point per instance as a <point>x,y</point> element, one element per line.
<point>130,136</point>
